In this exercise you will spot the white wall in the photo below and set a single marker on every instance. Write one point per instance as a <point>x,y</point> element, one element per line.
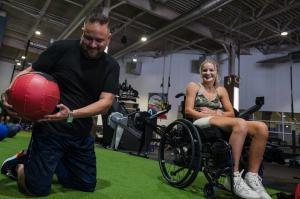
<point>6,70</point>
<point>269,80</point>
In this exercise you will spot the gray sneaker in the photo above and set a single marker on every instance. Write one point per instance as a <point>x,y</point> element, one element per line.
<point>255,182</point>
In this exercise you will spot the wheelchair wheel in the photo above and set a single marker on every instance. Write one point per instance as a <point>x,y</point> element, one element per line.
<point>178,153</point>
<point>197,166</point>
<point>209,191</point>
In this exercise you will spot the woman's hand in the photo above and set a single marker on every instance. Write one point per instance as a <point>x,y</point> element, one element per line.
<point>62,114</point>
<point>219,112</point>
<point>206,110</point>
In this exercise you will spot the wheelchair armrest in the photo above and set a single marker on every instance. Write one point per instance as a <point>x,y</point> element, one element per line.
<point>179,95</point>
<point>246,114</point>
<point>259,102</point>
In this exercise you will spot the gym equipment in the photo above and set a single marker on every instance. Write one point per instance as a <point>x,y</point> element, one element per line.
<point>13,129</point>
<point>296,195</point>
<point>127,91</point>
<point>186,149</point>
<point>114,121</point>
<point>34,95</point>
<point>3,131</point>
<point>142,129</point>
<point>297,191</point>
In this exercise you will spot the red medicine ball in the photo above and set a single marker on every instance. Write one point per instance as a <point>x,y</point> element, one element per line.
<point>34,95</point>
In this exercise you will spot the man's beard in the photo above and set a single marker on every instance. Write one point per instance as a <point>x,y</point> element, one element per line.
<point>85,52</point>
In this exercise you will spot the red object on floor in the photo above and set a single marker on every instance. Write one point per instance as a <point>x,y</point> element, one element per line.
<point>297,192</point>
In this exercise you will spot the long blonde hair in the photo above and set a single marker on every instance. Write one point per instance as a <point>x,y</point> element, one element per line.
<point>216,65</point>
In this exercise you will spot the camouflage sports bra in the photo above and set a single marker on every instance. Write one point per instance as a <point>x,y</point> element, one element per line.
<point>202,101</point>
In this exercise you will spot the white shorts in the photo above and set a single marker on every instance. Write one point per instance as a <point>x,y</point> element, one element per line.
<point>202,122</point>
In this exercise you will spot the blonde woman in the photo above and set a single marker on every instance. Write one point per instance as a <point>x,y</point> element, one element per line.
<point>209,105</point>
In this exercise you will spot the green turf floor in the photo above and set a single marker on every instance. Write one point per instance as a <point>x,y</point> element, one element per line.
<point>119,175</point>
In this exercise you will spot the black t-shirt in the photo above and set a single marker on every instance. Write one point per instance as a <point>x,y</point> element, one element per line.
<point>81,81</point>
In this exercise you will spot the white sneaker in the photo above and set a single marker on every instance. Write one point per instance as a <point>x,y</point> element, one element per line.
<point>254,181</point>
<point>240,188</point>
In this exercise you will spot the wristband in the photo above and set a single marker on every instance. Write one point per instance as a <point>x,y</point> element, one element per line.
<point>70,117</point>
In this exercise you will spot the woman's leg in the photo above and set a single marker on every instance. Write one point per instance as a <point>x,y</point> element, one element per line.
<point>238,129</point>
<point>259,133</point>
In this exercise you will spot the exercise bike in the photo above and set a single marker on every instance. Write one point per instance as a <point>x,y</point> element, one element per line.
<point>140,124</point>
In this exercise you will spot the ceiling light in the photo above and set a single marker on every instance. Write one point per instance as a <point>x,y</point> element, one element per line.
<point>18,64</point>
<point>23,57</point>
<point>284,33</point>
<point>37,32</point>
<point>134,59</point>
<point>143,39</point>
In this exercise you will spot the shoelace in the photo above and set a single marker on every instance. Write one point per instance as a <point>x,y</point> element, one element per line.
<point>257,181</point>
<point>240,182</point>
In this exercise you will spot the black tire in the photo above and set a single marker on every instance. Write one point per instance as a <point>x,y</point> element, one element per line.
<point>198,153</point>
<point>209,192</point>
<point>177,155</point>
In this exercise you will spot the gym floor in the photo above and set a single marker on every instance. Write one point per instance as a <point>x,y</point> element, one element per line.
<point>124,176</point>
<point>279,177</point>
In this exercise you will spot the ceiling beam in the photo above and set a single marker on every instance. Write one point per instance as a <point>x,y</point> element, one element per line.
<point>267,16</point>
<point>267,38</point>
<point>19,8</point>
<point>128,23</point>
<point>281,49</point>
<point>79,18</point>
<point>39,19</point>
<point>189,44</point>
<point>137,25</point>
<point>175,24</point>
<point>31,12</point>
<point>230,29</point>
<point>262,23</point>
<point>74,3</point>
<point>162,11</point>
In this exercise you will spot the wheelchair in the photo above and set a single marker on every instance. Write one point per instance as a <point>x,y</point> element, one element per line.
<point>186,150</point>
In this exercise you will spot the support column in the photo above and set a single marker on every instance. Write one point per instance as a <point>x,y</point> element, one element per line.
<point>232,81</point>
<point>3,20</point>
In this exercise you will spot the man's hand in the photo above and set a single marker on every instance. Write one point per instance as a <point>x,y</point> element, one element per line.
<point>62,114</point>
<point>8,107</point>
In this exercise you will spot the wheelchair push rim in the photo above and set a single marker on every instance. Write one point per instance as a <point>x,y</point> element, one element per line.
<point>179,153</point>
